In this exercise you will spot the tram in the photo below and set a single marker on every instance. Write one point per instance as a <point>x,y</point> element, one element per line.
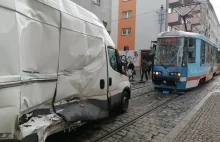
<point>218,61</point>
<point>183,60</point>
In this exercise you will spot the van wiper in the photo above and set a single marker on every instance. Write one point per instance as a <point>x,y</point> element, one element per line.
<point>161,63</point>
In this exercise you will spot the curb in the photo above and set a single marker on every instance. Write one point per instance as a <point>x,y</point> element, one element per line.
<point>179,127</point>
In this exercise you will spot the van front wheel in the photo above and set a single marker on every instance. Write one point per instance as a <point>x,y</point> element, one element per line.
<point>124,102</point>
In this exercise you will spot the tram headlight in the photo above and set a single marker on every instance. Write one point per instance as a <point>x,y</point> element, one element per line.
<point>156,73</point>
<point>176,74</point>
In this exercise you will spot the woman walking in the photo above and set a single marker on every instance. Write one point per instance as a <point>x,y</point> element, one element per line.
<point>131,71</point>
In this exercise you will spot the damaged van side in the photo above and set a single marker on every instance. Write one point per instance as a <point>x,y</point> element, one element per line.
<point>58,66</point>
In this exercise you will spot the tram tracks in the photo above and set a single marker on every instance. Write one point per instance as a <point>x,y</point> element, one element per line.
<point>141,107</point>
<point>163,104</point>
<point>134,120</point>
<point>142,90</point>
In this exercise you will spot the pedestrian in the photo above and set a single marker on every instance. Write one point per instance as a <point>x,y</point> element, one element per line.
<point>149,67</point>
<point>131,70</point>
<point>124,67</point>
<point>144,68</point>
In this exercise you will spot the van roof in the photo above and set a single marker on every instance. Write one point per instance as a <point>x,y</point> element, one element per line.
<point>48,11</point>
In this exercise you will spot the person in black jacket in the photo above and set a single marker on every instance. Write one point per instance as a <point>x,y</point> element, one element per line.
<point>131,70</point>
<point>144,70</point>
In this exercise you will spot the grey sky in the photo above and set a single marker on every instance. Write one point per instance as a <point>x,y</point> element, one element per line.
<point>216,5</point>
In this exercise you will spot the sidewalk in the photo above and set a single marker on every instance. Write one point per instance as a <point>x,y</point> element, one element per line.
<point>202,124</point>
<point>137,77</point>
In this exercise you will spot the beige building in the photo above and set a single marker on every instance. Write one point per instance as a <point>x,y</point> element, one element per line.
<point>202,19</point>
<point>101,8</point>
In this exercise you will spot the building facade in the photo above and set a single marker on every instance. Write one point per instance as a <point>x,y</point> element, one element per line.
<point>101,8</point>
<point>136,23</point>
<point>201,18</point>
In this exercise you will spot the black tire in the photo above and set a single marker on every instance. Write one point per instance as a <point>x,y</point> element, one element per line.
<point>124,102</point>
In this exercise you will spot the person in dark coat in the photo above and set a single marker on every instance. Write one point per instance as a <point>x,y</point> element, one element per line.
<point>149,68</point>
<point>144,69</point>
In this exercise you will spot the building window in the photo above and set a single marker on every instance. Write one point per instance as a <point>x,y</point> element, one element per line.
<point>169,10</point>
<point>126,31</point>
<point>203,44</point>
<point>97,2</point>
<point>192,50</point>
<point>126,14</point>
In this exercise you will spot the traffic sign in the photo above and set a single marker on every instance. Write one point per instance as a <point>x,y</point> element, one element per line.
<point>126,48</point>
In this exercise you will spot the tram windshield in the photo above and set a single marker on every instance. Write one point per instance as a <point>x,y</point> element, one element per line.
<point>169,51</point>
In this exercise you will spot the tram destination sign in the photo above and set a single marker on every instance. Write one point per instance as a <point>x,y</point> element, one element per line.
<point>168,40</point>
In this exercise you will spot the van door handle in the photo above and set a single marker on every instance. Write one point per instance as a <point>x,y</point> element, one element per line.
<point>102,84</point>
<point>110,81</point>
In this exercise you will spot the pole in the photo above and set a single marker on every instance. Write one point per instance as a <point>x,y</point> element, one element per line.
<point>161,18</point>
<point>184,16</point>
<point>184,19</point>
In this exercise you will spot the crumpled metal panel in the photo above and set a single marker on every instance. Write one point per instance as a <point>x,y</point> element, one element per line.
<point>9,55</point>
<point>9,70</point>
<point>89,69</point>
<point>9,110</point>
<point>34,94</point>
<point>39,43</point>
<point>38,11</point>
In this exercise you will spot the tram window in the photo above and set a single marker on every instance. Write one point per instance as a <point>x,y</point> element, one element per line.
<point>214,54</point>
<point>192,50</point>
<point>218,56</point>
<point>202,52</point>
<point>209,53</point>
<point>185,53</point>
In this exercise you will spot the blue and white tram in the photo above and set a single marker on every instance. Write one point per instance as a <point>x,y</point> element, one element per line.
<point>183,60</point>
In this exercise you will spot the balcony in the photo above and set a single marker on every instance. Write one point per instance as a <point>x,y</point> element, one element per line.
<point>174,19</point>
<point>188,1</point>
<point>174,3</point>
<point>195,21</point>
<point>197,10</point>
<point>186,10</point>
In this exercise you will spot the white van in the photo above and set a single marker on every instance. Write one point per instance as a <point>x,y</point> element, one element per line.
<point>58,66</point>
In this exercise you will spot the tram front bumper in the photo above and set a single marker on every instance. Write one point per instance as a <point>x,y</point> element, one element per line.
<point>170,83</point>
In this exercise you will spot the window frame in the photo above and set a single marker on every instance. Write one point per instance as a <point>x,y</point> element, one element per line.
<point>203,55</point>
<point>209,53</point>
<point>118,59</point>
<point>127,32</point>
<point>127,14</point>
<point>195,43</point>
<point>97,2</point>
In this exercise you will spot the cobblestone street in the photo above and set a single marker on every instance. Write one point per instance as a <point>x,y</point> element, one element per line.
<point>155,125</point>
<point>205,125</point>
